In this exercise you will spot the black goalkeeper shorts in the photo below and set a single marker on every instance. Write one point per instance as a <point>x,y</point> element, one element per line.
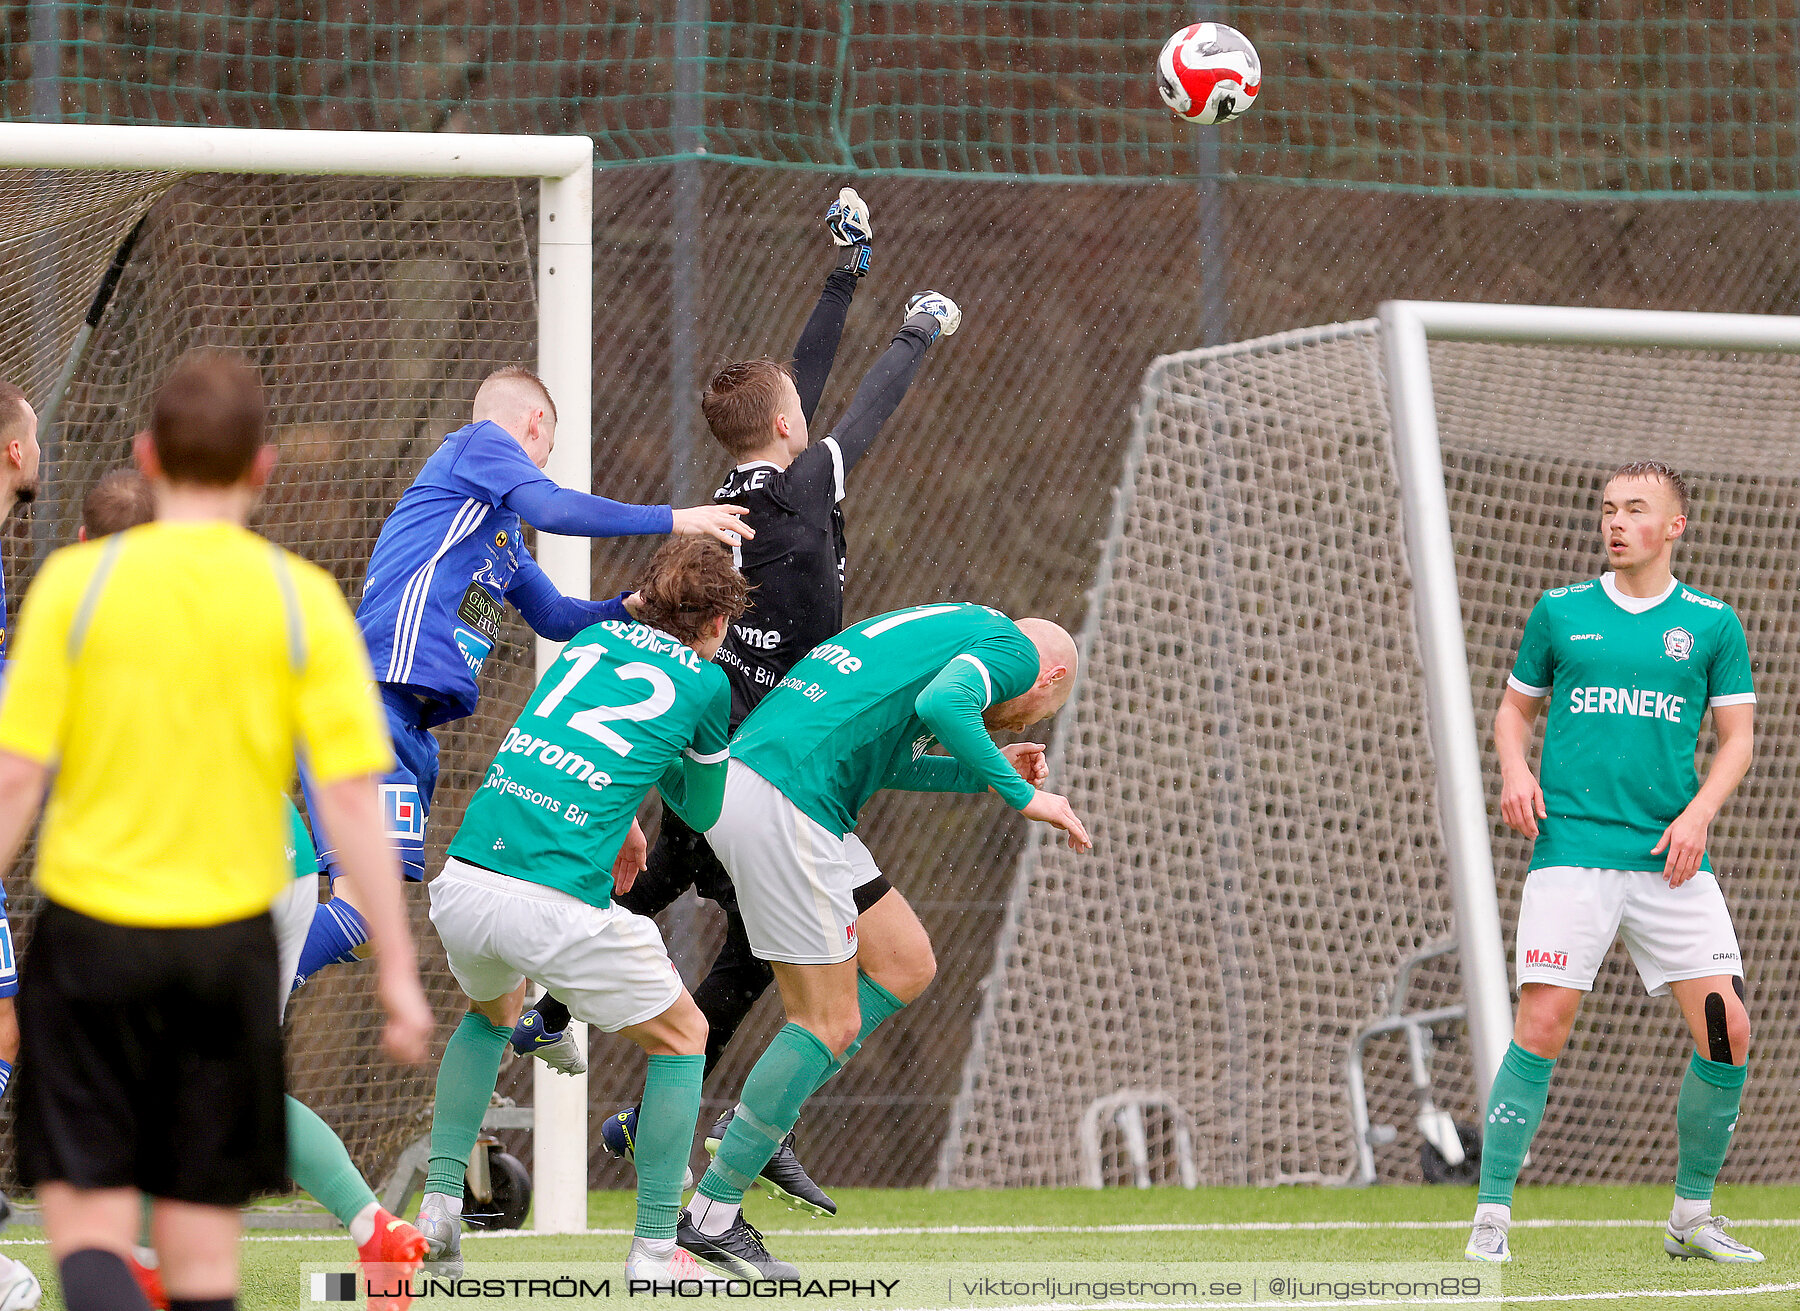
<point>151,1059</point>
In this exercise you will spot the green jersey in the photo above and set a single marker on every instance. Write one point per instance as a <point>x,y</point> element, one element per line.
<point>859,713</point>
<point>624,709</point>
<point>1629,681</point>
<point>300,851</point>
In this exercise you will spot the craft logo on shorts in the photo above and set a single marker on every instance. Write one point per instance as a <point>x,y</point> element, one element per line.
<point>1554,960</point>
<point>405,815</point>
<point>334,1288</point>
<point>1678,643</point>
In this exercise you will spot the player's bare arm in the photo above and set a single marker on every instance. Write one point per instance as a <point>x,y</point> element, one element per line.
<point>1684,841</point>
<point>1521,799</point>
<point>22,784</point>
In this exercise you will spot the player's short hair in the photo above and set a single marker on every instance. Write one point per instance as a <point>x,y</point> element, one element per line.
<point>741,402</point>
<point>120,500</point>
<point>13,404</point>
<point>1667,473</point>
<point>688,583</point>
<point>518,373</point>
<point>207,421</point>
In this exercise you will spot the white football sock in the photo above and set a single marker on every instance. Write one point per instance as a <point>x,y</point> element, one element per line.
<point>446,1203</point>
<point>362,1224</point>
<point>1686,1213</point>
<point>657,1249</point>
<point>710,1217</point>
<point>1498,1212</point>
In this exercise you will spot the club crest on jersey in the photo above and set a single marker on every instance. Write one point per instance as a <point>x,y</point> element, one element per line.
<point>1678,643</point>
<point>404,813</point>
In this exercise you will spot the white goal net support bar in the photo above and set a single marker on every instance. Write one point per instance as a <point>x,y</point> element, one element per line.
<point>1324,548</point>
<point>57,155</point>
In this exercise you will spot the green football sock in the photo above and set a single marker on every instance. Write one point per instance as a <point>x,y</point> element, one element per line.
<point>785,1076</point>
<point>1515,1107</point>
<point>878,1005</point>
<point>666,1120</point>
<point>318,1162</point>
<point>465,1084</point>
<point>1705,1115</point>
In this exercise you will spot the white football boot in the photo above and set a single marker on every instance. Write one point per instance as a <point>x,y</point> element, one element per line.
<point>443,1235</point>
<point>679,1267</point>
<point>19,1288</point>
<point>1708,1241</point>
<point>1487,1242</point>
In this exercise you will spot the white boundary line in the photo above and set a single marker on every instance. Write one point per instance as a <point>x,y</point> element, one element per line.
<point>920,1231</point>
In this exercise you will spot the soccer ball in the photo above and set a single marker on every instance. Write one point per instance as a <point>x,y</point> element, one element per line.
<point>1208,73</point>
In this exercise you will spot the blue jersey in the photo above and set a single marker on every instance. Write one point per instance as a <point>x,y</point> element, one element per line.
<point>442,566</point>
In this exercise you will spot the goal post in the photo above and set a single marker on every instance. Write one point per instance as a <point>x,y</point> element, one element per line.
<point>564,168</point>
<point>1324,548</point>
<point>1407,328</point>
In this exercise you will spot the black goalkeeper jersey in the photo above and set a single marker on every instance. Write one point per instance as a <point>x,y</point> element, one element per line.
<point>796,564</point>
<point>796,561</point>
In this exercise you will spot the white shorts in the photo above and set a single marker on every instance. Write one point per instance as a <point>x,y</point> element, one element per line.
<point>796,881</point>
<point>608,966</point>
<point>293,912</point>
<point>1569,917</point>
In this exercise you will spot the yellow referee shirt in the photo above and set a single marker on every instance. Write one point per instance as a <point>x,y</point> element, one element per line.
<point>170,674</point>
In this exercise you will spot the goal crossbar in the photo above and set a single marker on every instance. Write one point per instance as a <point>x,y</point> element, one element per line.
<point>1407,328</point>
<point>564,168</point>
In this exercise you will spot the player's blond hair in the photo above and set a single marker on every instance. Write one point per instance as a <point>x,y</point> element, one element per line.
<point>516,378</point>
<point>1667,474</point>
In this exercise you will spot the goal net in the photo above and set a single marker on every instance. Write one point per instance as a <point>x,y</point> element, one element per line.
<point>1250,749</point>
<point>372,307</point>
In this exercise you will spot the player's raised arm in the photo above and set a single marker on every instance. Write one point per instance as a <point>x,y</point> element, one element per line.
<point>516,400</point>
<point>848,222</point>
<point>929,315</point>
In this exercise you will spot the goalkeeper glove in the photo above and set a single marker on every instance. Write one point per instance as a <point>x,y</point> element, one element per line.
<point>848,222</point>
<point>935,312</point>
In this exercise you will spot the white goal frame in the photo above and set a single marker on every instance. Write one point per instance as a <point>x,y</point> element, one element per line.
<point>1407,328</point>
<point>564,167</point>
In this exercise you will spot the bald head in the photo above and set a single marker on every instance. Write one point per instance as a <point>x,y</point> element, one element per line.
<point>1057,659</point>
<point>517,399</point>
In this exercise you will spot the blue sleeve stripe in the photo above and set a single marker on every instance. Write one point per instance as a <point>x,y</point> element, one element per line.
<point>418,592</point>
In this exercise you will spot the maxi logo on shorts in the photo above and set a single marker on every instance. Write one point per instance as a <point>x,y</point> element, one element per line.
<point>1550,960</point>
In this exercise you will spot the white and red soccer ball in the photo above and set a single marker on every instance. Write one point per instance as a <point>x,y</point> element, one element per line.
<point>1208,73</point>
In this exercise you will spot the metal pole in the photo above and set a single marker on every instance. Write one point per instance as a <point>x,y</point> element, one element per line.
<point>565,360</point>
<point>1437,609</point>
<point>690,142</point>
<point>44,30</point>
<point>1215,257</point>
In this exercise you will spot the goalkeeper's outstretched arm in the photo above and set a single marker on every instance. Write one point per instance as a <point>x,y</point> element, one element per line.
<point>928,317</point>
<point>848,222</point>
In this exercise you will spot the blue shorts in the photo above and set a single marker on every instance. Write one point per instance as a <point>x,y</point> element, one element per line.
<point>405,792</point>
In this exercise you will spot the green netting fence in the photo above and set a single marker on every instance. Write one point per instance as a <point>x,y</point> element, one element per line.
<point>1649,97</point>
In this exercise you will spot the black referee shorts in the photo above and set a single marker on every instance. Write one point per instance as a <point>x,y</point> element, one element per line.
<point>151,1059</point>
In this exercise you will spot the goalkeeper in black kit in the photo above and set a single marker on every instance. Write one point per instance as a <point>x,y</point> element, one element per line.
<point>760,411</point>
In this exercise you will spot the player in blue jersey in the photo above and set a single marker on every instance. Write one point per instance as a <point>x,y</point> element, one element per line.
<point>449,558</point>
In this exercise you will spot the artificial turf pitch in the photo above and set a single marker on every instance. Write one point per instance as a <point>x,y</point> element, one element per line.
<point>1575,1246</point>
